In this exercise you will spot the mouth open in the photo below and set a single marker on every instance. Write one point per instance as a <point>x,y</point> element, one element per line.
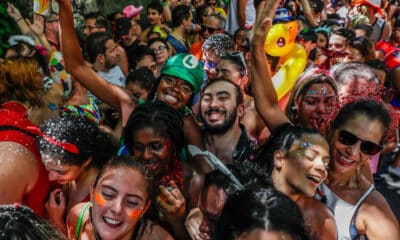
<point>281,42</point>
<point>315,179</point>
<point>113,223</point>
<point>152,165</point>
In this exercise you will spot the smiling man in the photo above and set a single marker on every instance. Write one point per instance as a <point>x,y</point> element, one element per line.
<point>221,109</point>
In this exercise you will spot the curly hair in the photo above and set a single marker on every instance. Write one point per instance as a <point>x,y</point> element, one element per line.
<point>81,132</point>
<point>20,80</point>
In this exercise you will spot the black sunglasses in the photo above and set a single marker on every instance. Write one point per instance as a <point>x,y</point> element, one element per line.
<point>349,139</point>
<point>209,29</point>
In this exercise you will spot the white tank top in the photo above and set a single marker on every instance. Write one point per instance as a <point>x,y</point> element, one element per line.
<point>345,213</point>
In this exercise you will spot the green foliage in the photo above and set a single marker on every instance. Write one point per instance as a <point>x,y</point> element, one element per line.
<point>7,27</point>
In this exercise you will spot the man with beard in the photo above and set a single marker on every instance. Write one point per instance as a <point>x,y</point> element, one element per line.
<point>103,53</point>
<point>221,109</point>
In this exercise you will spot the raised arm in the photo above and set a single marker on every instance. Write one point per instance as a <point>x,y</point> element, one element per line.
<point>76,66</point>
<point>266,99</point>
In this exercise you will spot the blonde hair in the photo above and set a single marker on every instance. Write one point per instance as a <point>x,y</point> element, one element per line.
<point>21,80</point>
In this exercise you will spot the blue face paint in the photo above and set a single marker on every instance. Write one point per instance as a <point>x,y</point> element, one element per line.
<point>52,106</point>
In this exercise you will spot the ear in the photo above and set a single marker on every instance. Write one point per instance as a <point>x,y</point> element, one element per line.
<point>240,110</point>
<point>244,81</point>
<point>101,58</point>
<point>278,159</point>
<point>87,162</point>
<point>146,208</point>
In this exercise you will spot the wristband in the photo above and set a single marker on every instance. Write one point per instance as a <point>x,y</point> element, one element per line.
<point>164,4</point>
<point>18,19</point>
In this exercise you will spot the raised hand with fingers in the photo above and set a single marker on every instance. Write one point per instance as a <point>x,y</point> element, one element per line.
<point>55,208</point>
<point>37,25</point>
<point>13,12</point>
<point>172,203</point>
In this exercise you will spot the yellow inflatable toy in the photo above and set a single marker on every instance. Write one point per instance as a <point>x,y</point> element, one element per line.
<point>280,42</point>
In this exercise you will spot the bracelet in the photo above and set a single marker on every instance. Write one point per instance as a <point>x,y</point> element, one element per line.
<point>18,19</point>
<point>164,4</point>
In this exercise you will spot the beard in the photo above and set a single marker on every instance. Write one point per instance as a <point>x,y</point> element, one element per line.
<point>108,65</point>
<point>222,128</point>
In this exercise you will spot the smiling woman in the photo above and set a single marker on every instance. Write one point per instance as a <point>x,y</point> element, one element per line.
<point>297,159</point>
<point>120,196</point>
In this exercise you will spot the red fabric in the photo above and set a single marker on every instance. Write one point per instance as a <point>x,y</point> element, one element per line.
<point>14,114</point>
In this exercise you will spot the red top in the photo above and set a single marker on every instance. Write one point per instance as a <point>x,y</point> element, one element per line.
<point>14,114</point>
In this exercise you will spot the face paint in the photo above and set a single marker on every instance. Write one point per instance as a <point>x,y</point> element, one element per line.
<point>135,214</point>
<point>99,199</point>
<point>304,145</point>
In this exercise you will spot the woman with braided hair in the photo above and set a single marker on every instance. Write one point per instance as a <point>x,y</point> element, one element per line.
<point>154,134</point>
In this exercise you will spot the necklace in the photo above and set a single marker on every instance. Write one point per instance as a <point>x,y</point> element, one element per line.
<point>181,39</point>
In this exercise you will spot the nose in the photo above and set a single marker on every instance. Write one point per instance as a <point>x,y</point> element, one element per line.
<point>53,176</point>
<point>116,206</point>
<point>320,107</point>
<point>319,165</point>
<point>354,149</point>
<point>147,154</point>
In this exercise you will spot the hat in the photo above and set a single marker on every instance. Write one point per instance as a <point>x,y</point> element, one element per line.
<point>18,39</point>
<point>122,26</point>
<point>186,67</point>
<point>131,11</point>
<point>371,3</point>
<point>282,15</point>
<point>308,34</point>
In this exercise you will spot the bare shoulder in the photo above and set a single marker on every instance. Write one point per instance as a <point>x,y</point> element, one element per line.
<point>318,218</point>
<point>73,218</point>
<point>376,220</point>
<point>16,160</point>
<point>155,232</point>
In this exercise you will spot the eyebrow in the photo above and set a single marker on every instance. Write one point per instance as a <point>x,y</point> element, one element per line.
<point>115,190</point>
<point>218,93</point>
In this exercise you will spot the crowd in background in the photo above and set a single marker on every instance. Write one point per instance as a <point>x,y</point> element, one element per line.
<point>209,119</point>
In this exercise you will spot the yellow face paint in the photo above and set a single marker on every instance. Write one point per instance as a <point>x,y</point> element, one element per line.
<point>98,199</point>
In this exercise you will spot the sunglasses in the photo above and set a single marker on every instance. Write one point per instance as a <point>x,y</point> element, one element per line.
<point>209,29</point>
<point>212,4</point>
<point>349,139</point>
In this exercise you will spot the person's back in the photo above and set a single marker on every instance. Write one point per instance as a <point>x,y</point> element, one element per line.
<point>23,178</point>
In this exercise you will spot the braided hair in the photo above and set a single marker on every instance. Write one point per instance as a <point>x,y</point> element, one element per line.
<point>159,116</point>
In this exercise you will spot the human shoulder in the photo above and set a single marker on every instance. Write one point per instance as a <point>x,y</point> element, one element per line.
<point>73,219</point>
<point>376,220</point>
<point>155,232</point>
<point>318,217</point>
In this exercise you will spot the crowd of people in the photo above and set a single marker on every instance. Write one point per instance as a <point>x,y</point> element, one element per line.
<point>209,119</point>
